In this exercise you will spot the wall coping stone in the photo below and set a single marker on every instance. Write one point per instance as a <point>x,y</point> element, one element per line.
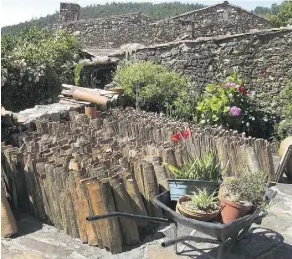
<point>128,15</point>
<point>219,38</point>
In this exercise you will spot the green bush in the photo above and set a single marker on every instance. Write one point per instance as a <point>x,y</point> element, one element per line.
<point>152,86</point>
<point>34,64</point>
<point>284,128</point>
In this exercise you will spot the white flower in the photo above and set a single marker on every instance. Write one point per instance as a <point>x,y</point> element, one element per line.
<point>230,95</point>
<point>247,124</point>
<point>29,79</point>
<point>37,79</point>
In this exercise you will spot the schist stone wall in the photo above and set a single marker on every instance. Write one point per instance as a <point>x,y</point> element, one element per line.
<point>263,60</point>
<point>220,19</point>
<point>112,32</point>
<point>69,12</point>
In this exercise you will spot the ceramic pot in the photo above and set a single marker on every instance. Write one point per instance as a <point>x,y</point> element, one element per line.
<point>231,211</point>
<point>193,214</point>
<point>91,112</point>
<point>182,187</point>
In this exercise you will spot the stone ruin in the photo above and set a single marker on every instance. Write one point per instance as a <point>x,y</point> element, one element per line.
<point>67,170</point>
<point>69,12</point>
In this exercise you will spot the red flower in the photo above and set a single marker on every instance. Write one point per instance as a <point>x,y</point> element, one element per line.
<point>242,90</point>
<point>183,135</point>
<point>186,133</point>
<point>176,136</point>
<point>262,71</point>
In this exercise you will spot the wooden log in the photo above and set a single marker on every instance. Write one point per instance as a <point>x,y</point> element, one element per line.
<point>160,173</point>
<point>151,189</point>
<point>114,242</point>
<point>8,223</point>
<point>78,206</point>
<point>92,236</point>
<point>128,226</point>
<point>136,201</point>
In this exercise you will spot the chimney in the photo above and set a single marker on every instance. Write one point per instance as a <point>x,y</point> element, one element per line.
<point>69,12</point>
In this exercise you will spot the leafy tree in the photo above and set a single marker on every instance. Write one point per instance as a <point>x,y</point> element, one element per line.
<point>284,14</point>
<point>34,64</point>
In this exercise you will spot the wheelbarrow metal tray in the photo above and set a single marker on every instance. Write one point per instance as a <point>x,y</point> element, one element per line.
<point>221,232</point>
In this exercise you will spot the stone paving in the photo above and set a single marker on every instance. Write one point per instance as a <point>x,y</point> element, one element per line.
<point>272,239</point>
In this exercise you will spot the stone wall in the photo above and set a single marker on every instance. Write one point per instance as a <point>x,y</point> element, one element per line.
<point>69,12</point>
<point>112,32</point>
<point>263,60</point>
<point>115,31</point>
<point>220,19</point>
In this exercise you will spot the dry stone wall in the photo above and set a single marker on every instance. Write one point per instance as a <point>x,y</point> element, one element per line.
<point>221,19</point>
<point>263,59</point>
<point>115,31</point>
<point>112,32</point>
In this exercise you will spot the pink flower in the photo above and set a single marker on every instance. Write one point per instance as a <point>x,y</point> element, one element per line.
<point>231,84</point>
<point>262,70</point>
<point>235,111</point>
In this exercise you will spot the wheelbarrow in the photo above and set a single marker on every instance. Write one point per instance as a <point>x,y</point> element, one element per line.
<point>221,234</point>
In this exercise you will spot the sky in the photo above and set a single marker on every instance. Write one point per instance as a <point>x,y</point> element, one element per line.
<point>16,11</point>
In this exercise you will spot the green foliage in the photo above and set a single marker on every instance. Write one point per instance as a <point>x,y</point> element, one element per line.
<point>77,72</point>
<point>151,85</point>
<point>158,11</point>
<point>34,64</point>
<point>184,106</point>
<point>203,201</point>
<point>245,186</point>
<point>284,14</point>
<point>284,128</point>
<point>201,168</point>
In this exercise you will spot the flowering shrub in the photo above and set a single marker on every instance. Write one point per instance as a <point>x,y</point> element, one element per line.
<point>34,64</point>
<point>228,104</point>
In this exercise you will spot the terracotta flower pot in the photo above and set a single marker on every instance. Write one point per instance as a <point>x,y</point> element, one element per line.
<point>193,214</point>
<point>231,211</point>
<point>91,112</point>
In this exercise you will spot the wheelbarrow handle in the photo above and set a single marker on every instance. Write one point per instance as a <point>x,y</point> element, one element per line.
<point>127,215</point>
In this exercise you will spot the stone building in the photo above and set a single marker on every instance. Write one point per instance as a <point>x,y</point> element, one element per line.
<point>115,31</point>
<point>219,19</point>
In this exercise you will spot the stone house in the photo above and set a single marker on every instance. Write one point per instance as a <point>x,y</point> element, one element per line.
<point>219,19</point>
<point>115,31</point>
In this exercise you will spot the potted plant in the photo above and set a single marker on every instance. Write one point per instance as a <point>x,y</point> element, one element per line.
<point>200,205</point>
<point>240,193</point>
<point>196,173</point>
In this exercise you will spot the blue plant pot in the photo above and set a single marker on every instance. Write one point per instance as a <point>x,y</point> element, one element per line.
<point>181,187</point>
